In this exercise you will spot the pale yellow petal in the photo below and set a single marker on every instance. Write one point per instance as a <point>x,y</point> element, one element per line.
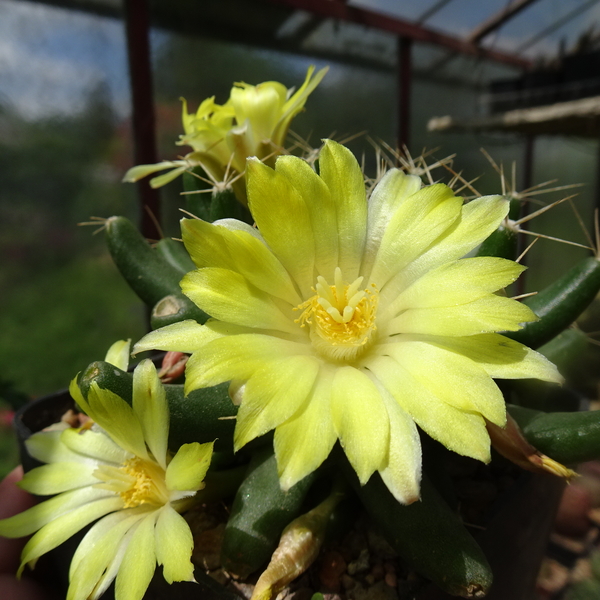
<point>118,419</point>
<point>500,356</point>
<point>151,408</point>
<point>283,220</point>
<point>188,468</point>
<point>273,394</point>
<point>478,220</point>
<point>95,445</point>
<point>393,189</point>
<point>169,176</point>
<point>97,550</point>
<point>303,442</point>
<point>58,477</point>
<point>63,527</point>
<point>140,171</point>
<point>488,314</point>
<point>228,296</point>
<point>296,102</point>
<point>460,431</point>
<point>211,245</point>
<point>414,226</point>
<point>458,282</point>
<point>237,357</point>
<point>184,336</point>
<point>41,514</point>
<point>139,561</point>
<point>342,174</point>
<point>47,446</point>
<point>402,473</point>
<point>174,544</point>
<point>261,105</point>
<point>361,421</point>
<point>451,377</point>
<point>118,354</point>
<point>321,209</point>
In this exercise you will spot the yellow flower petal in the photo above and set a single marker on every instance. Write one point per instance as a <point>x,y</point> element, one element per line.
<point>118,354</point>
<point>360,420</point>
<point>118,419</point>
<point>479,218</point>
<point>296,102</point>
<point>41,514</point>
<point>451,377</point>
<point>184,336</point>
<point>414,226</point>
<point>260,105</point>
<point>273,394</point>
<point>174,544</point>
<point>61,528</point>
<point>274,219</point>
<point>491,313</point>
<point>230,297</point>
<point>139,562</point>
<point>239,251</point>
<point>402,473</point>
<point>393,189</point>
<point>458,283</point>
<point>303,442</point>
<point>97,550</point>
<point>91,444</point>
<point>188,468</point>
<point>151,408</point>
<point>58,477</point>
<point>460,431</point>
<point>46,446</point>
<point>321,209</point>
<point>341,173</point>
<point>501,357</point>
<point>236,357</point>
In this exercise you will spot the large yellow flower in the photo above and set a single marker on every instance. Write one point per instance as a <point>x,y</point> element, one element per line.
<point>253,122</point>
<point>118,469</point>
<point>353,320</point>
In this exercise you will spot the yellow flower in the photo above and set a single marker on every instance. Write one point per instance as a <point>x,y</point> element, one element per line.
<point>119,471</point>
<point>342,319</point>
<point>253,122</point>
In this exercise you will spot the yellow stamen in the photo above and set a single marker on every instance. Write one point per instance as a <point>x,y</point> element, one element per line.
<point>137,481</point>
<point>341,318</point>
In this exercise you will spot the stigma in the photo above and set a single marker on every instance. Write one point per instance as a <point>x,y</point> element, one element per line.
<point>341,317</point>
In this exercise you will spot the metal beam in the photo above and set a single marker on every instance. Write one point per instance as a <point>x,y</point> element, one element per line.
<point>497,20</point>
<point>557,25</point>
<point>432,11</point>
<point>137,25</point>
<point>404,91</point>
<point>403,28</point>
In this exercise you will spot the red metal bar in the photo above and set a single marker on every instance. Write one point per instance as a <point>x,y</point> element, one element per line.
<point>137,24</point>
<point>402,28</point>
<point>404,90</point>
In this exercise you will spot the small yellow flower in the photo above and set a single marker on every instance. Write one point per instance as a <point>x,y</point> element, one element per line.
<point>118,471</point>
<point>342,319</point>
<point>253,122</point>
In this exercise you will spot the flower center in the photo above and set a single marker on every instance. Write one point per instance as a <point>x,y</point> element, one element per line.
<point>341,317</point>
<point>137,481</point>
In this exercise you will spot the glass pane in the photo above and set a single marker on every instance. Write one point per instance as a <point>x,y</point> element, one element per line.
<point>65,144</point>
